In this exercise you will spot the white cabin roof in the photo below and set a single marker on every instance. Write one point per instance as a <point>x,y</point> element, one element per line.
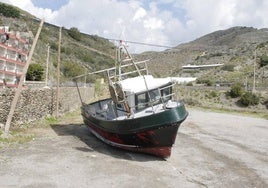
<point>138,84</point>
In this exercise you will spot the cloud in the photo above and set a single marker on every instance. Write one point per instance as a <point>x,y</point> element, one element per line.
<point>24,3</point>
<point>153,23</point>
<point>140,13</point>
<point>208,15</point>
<point>28,6</point>
<point>164,22</point>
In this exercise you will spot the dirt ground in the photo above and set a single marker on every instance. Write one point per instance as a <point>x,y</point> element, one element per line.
<point>211,150</point>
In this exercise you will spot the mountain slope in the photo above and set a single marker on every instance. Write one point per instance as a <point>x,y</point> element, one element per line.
<point>234,47</point>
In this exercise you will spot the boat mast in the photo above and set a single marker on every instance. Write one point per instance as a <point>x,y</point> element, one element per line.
<point>121,50</point>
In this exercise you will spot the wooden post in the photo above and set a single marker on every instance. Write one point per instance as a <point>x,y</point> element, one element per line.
<point>47,64</point>
<point>18,91</point>
<point>58,76</point>
<point>254,72</point>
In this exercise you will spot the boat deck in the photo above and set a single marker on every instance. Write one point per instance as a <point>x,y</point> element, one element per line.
<point>108,111</point>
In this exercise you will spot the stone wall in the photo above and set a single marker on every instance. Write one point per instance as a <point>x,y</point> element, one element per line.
<point>36,103</point>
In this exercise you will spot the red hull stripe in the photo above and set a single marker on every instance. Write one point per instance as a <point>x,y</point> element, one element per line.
<point>162,152</point>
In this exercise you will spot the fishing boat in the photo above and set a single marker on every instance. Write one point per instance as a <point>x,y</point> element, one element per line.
<point>141,114</point>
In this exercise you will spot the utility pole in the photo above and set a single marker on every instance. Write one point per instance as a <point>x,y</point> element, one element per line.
<point>18,91</point>
<point>48,47</point>
<point>254,73</point>
<point>58,76</point>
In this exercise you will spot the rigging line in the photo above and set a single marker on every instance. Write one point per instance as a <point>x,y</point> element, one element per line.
<point>142,43</point>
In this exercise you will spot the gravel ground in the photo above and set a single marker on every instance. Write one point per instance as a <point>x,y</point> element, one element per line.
<point>211,150</point>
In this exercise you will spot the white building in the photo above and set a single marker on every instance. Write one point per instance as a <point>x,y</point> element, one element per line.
<point>183,80</point>
<point>14,48</point>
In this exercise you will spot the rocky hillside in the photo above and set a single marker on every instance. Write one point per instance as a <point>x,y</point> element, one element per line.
<point>80,53</point>
<point>234,47</point>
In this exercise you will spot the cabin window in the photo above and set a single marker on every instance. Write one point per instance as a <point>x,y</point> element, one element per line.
<point>141,101</point>
<point>155,96</point>
<point>166,94</point>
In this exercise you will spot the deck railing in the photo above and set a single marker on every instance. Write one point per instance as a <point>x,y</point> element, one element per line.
<point>126,70</point>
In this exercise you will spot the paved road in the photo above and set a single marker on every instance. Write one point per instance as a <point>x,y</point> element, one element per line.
<point>211,150</point>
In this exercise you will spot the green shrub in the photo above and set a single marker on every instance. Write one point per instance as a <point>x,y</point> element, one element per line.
<point>75,33</point>
<point>207,82</point>
<point>213,94</point>
<point>9,11</point>
<point>266,103</point>
<point>87,58</point>
<point>71,69</point>
<point>249,99</point>
<point>35,72</point>
<point>51,119</point>
<point>228,67</point>
<point>189,84</point>
<point>218,54</point>
<point>236,91</point>
<point>264,60</point>
<point>54,46</point>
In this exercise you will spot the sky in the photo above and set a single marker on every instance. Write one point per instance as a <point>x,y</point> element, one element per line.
<point>161,22</point>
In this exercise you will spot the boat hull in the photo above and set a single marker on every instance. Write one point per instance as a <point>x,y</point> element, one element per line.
<point>153,134</point>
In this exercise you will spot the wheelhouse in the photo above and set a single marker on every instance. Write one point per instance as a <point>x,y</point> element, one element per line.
<point>153,97</point>
<point>143,92</point>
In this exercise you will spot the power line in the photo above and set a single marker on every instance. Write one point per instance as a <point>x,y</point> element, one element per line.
<point>142,43</point>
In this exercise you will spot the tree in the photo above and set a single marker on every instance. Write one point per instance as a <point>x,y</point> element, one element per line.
<point>35,72</point>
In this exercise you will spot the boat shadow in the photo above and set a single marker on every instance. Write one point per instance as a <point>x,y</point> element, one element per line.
<point>81,132</point>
